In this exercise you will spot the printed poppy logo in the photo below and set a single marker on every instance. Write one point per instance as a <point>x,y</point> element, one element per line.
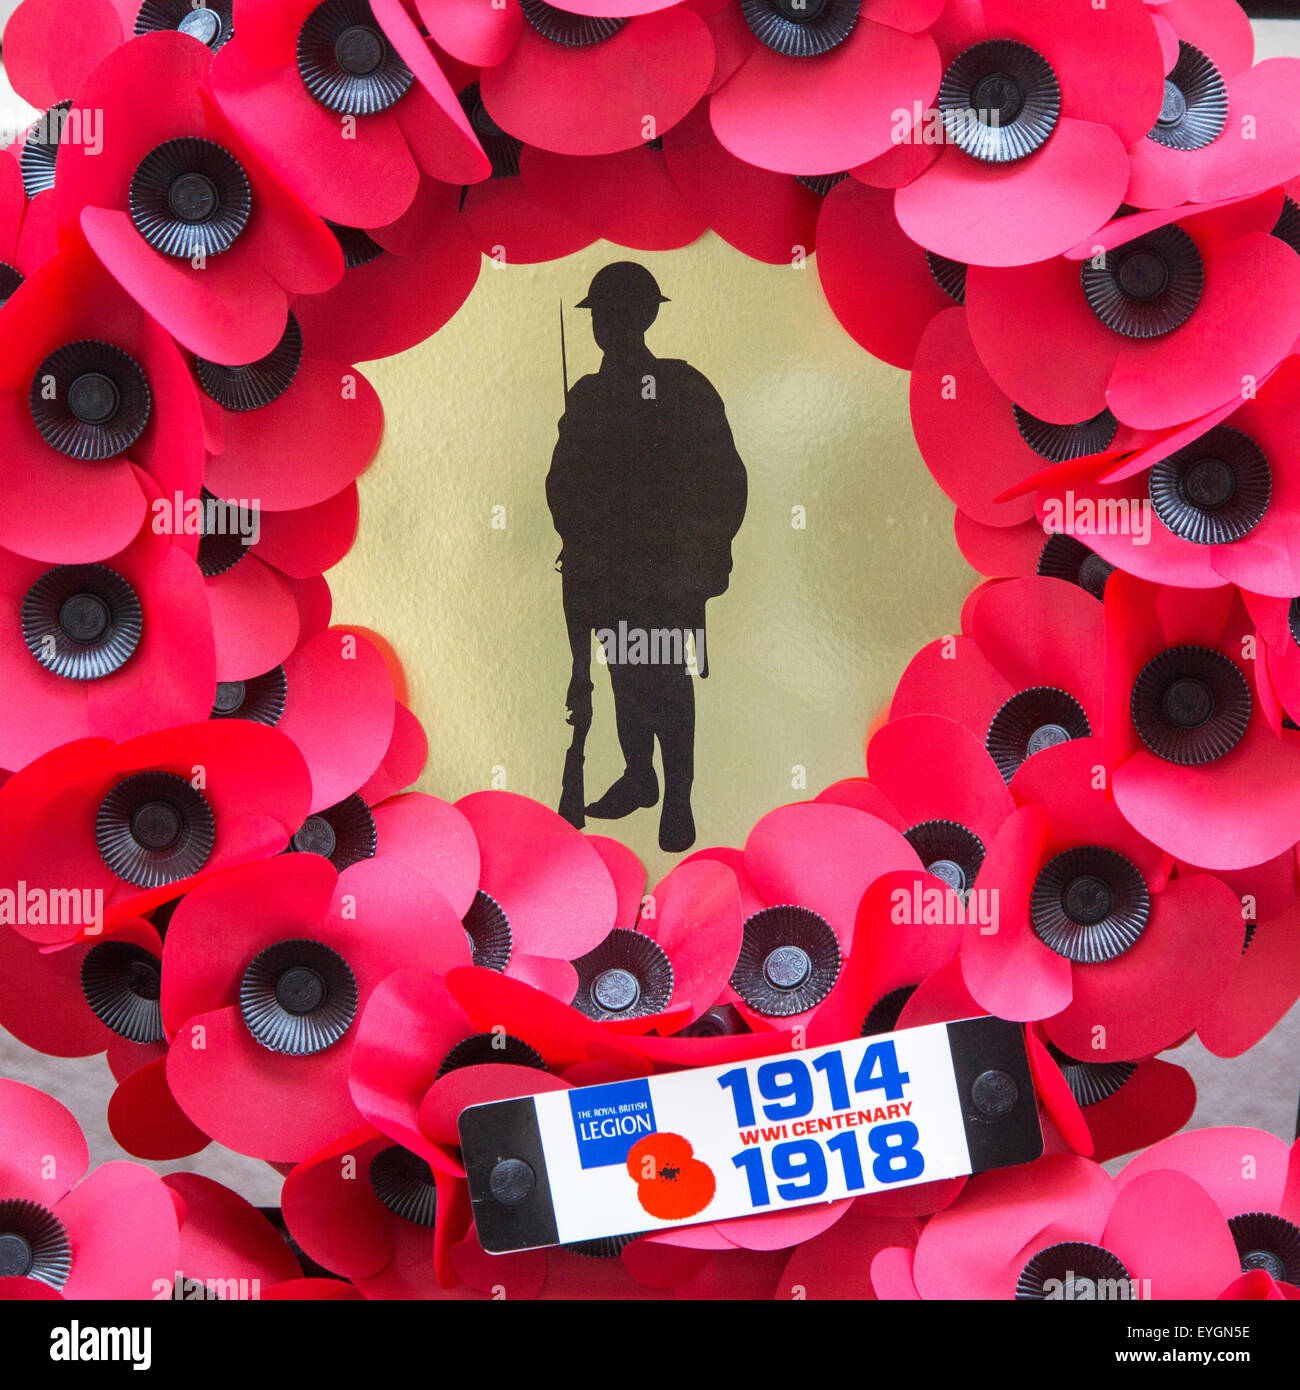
<point>671,1183</point>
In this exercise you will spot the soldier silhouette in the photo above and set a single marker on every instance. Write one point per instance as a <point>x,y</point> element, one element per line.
<point>646,491</point>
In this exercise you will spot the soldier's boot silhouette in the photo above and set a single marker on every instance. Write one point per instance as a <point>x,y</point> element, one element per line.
<point>638,787</point>
<point>676,730</point>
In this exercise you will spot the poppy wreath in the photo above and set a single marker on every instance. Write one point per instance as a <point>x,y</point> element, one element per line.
<point>1078,228</point>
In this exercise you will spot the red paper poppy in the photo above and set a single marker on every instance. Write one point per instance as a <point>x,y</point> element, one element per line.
<point>111,650</point>
<point>547,881</point>
<point>334,698</point>
<point>1266,982</point>
<point>93,395</point>
<point>821,91</point>
<point>266,971</point>
<point>371,1211</point>
<point>140,821</point>
<point>882,286</point>
<point>1253,1180</point>
<point>1091,935</point>
<point>28,237</point>
<point>579,83</point>
<point>1226,129</point>
<point>985,450</point>
<point>837,1263</point>
<point>802,876</point>
<point>1195,766</point>
<point>1035,112</point>
<point>1014,677</point>
<point>1144,318</point>
<point>770,217</point>
<point>179,209</point>
<point>54,1002</point>
<point>630,197</point>
<point>1223,508</point>
<point>400,282</point>
<point>110,1233</point>
<point>694,916</point>
<point>1124,1106</point>
<point>1058,1227</point>
<point>263,423</point>
<point>228,1249</point>
<point>52,46</point>
<point>422,1054</point>
<point>511,219</point>
<point>252,561</point>
<point>346,102</point>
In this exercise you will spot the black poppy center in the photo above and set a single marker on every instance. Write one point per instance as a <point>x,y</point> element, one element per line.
<point>298,997</point>
<point>787,967</point>
<point>346,61</point>
<point>300,990</point>
<point>1147,287</point>
<point>259,699</point>
<point>344,833</point>
<point>1087,899</point>
<point>1091,1082</point>
<point>800,28</point>
<point>1143,275</point>
<point>93,398</point>
<point>1065,557</point>
<point>948,850</point>
<point>359,50</point>
<point>16,1256</point>
<point>1089,904</point>
<point>1215,491</point>
<point>81,622</point>
<point>190,198</point>
<point>1030,721</point>
<point>156,825</point>
<point>404,1183</point>
<point>789,961</point>
<point>211,22</point>
<point>627,976</point>
<point>883,1015</point>
<point>33,1244</point>
<point>615,990</point>
<point>201,24</point>
<point>90,400</point>
<point>1194,109</point>
<point>122,984</point>
<point>501,148</point>
<point>485,1049</point>
<point>1059,443</point>
<point>488,930</point>
<point>1074,1270</point>
<point>1174,106</point>
<point>193,197</point>
<point>1269,1242</point>
<point>1190,705</point>
<point>1000,101</point>
<point>155,828</point>
<point>1000,96</point>
<point>315,836</point>
<point>84,618</point>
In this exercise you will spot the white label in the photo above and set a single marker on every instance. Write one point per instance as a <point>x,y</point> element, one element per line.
<point>765,1135</point>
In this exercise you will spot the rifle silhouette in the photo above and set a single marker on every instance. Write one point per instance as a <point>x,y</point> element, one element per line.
<point>578,699</point>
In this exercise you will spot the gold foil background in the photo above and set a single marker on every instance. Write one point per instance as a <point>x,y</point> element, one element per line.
<point>806,645</point>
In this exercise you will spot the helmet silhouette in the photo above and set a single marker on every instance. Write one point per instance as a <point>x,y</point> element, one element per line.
<point>627,293</point>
